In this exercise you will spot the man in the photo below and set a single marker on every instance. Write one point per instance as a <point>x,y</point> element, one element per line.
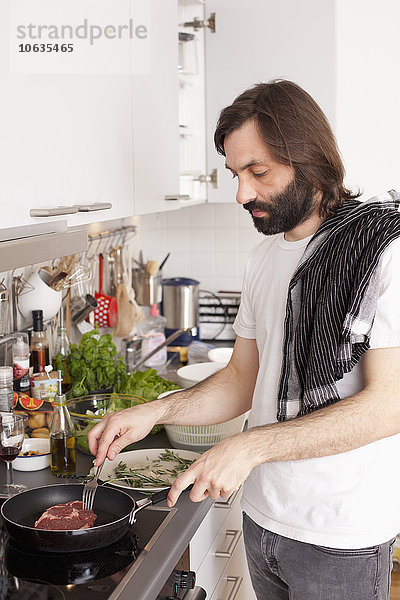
<point>317,359</point>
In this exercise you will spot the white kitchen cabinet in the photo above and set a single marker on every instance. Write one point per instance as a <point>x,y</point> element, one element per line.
<point>66,138</point>
<point>258,41</point>
<point>217,553</point>
<point>155,115</point>
<point>251,42</point>
<point>133,137</point>
<point>108,136</point>
<point>343,53</point>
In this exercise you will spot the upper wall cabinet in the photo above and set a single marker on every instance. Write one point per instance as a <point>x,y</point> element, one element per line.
<point>226,47</point>
<point>91,134</point>
<point>66,134</point>
<point>169,113</point>
<point>155,109</point>
<point>125,126</point>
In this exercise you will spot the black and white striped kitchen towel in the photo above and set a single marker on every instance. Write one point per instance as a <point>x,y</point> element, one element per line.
<point>331,302</point>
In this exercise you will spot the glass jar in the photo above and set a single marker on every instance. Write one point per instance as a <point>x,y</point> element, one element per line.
<point>6,389</point>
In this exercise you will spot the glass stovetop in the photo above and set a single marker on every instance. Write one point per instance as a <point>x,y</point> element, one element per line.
<point>27,574</point>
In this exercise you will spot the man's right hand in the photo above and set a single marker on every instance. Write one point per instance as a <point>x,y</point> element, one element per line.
<point>119,429</point>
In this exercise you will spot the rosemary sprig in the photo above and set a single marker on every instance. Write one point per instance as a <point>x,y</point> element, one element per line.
<point>155,474</point>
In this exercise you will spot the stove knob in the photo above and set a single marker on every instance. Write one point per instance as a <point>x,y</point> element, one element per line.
<point>185,580</point>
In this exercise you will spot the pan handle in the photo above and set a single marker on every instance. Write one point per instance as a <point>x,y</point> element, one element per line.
<point>162,495</point>
<point>153,499</point>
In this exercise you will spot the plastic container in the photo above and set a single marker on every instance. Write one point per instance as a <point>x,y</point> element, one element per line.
<point>20,353</point>
<point>200,438</point>
<point>152,332</point>
<point>44,387</point>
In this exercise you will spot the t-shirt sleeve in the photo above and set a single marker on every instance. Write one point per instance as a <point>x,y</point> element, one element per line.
<point>385,331</point>
<point>245,325</point>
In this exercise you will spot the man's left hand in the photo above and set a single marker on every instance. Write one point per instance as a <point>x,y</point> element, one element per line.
<point>218,472</point>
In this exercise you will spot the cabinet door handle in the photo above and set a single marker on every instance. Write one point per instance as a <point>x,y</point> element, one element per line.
<point>177,197</point>
<point>236,585</point>
<point>93,207</point>
<point>228,502</point>
<point>235,533</point>
<point>53,212</point>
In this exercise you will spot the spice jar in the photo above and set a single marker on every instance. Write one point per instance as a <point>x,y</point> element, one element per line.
<point>6,389</point>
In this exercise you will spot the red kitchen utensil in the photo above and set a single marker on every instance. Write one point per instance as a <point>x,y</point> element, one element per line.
<point>105,315</point>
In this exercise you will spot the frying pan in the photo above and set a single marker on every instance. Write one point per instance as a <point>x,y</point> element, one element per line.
<point>115,512</point>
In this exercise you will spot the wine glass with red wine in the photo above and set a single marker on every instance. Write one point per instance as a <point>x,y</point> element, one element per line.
<point>12,433</point>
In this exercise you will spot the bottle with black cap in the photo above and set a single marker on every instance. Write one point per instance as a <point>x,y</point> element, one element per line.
<point>40,356</point>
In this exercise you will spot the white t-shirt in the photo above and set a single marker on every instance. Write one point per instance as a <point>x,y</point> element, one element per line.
<point>349,500</point>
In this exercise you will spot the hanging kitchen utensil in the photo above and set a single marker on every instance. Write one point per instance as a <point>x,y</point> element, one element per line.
<point>106,313</point>
<point>4,298</point>
<point>126,314</point>
<point>90,304</point>
<point>78,275</point>
<point>56,279</point>
<point>111,273</point>
<point>137,311</point>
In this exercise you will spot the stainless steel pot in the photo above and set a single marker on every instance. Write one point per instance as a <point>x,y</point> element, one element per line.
<point>180,302</point>
<point>147,288</point>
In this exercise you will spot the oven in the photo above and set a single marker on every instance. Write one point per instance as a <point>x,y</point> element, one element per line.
<point>182,585</point>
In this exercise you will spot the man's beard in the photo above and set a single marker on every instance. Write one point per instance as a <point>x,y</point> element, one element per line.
<point>285,210</point>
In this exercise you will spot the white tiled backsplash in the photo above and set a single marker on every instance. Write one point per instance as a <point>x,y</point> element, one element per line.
<point>208,242</point>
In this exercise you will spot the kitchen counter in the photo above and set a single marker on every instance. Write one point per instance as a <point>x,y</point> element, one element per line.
<point>146,581</point>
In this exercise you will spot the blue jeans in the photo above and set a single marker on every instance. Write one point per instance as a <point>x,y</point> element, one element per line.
<point>285,569</point>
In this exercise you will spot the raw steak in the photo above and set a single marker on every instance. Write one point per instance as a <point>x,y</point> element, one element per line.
<point>66,516</point>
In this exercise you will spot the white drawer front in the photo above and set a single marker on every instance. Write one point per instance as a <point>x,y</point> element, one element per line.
<point>209,528</point>
<point>220,553</point>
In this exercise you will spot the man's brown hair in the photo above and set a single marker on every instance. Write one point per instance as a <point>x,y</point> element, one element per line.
<point>297,133</point>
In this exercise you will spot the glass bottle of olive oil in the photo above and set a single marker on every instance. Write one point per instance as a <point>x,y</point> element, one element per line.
<point>62,436</point>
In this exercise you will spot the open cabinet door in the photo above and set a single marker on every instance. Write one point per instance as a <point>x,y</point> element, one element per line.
<point>155,110</point>
<point>258,41</point>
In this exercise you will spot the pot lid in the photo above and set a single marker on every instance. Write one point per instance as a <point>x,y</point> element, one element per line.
<point>179,281</point>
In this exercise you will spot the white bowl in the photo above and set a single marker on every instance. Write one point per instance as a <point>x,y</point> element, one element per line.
<point>192,374</point>
<point>220,355</point>
<point>35,462</point>
<point>164,394</point>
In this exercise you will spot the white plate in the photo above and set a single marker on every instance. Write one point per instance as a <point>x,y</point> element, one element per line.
<point>139,457</point>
